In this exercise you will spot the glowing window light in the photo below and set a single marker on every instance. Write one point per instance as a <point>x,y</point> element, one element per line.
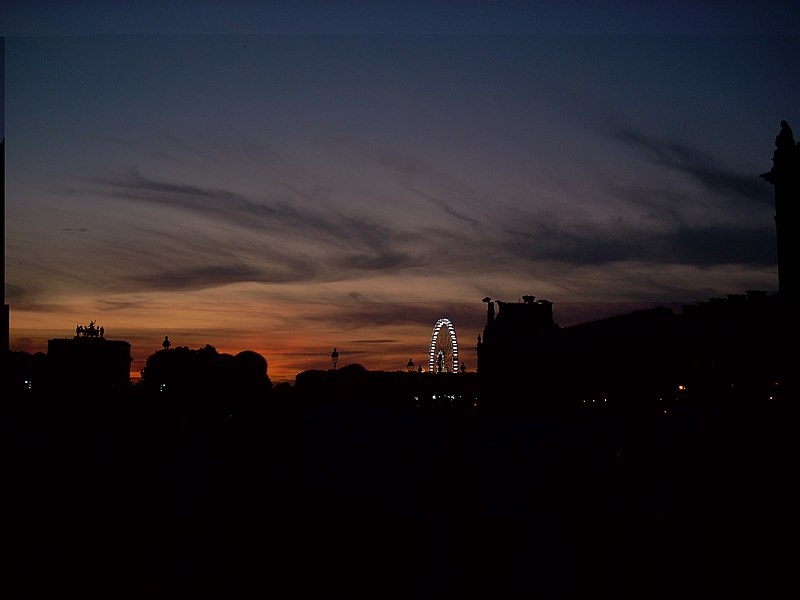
<point>443,322</point>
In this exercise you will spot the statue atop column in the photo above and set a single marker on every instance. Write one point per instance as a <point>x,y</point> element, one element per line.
<point>785,138</point>
<point>785,157</point>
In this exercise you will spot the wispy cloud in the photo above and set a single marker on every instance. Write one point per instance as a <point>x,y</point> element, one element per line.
<point>297,241</point>
<point>697,164</point>
<point>711,216</point>
<point>445,206</point>
<point>588,243</point>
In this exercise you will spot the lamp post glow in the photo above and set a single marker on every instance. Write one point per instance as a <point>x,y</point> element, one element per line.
<point>334,358</point>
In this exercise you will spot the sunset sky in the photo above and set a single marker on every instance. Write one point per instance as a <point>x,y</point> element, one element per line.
<point>312,175</point>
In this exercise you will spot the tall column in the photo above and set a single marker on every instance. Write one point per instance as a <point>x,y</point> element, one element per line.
<point>785,179</point>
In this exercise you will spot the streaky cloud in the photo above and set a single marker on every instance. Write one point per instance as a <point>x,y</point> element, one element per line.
<point>588,243</point>
<point>445,206</point>
<point>696,164</point>
<point>203,277</point>
<point>356,315</point>
<point>351,242</point>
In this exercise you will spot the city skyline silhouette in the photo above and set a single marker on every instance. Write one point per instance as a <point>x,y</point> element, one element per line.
<point>270,192</point>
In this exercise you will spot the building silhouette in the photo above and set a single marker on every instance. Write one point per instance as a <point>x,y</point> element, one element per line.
<point>93,364</point>
<point>720,349</point>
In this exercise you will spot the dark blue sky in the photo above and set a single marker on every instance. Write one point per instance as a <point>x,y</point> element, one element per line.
<point>78,17</point>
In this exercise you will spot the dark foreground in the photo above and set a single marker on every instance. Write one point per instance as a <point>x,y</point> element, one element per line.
<point>338,500</point>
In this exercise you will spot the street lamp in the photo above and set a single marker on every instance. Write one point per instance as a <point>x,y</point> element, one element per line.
<point>334,358</point>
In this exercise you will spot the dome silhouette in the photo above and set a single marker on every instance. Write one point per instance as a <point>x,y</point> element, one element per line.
<point>252,362</point>
<point>353,369</point>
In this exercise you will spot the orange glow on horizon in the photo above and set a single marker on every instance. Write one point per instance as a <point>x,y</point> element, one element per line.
<point>292,337</point>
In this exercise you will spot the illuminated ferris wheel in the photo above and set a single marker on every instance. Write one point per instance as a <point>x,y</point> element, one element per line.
<point>443,353</point>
